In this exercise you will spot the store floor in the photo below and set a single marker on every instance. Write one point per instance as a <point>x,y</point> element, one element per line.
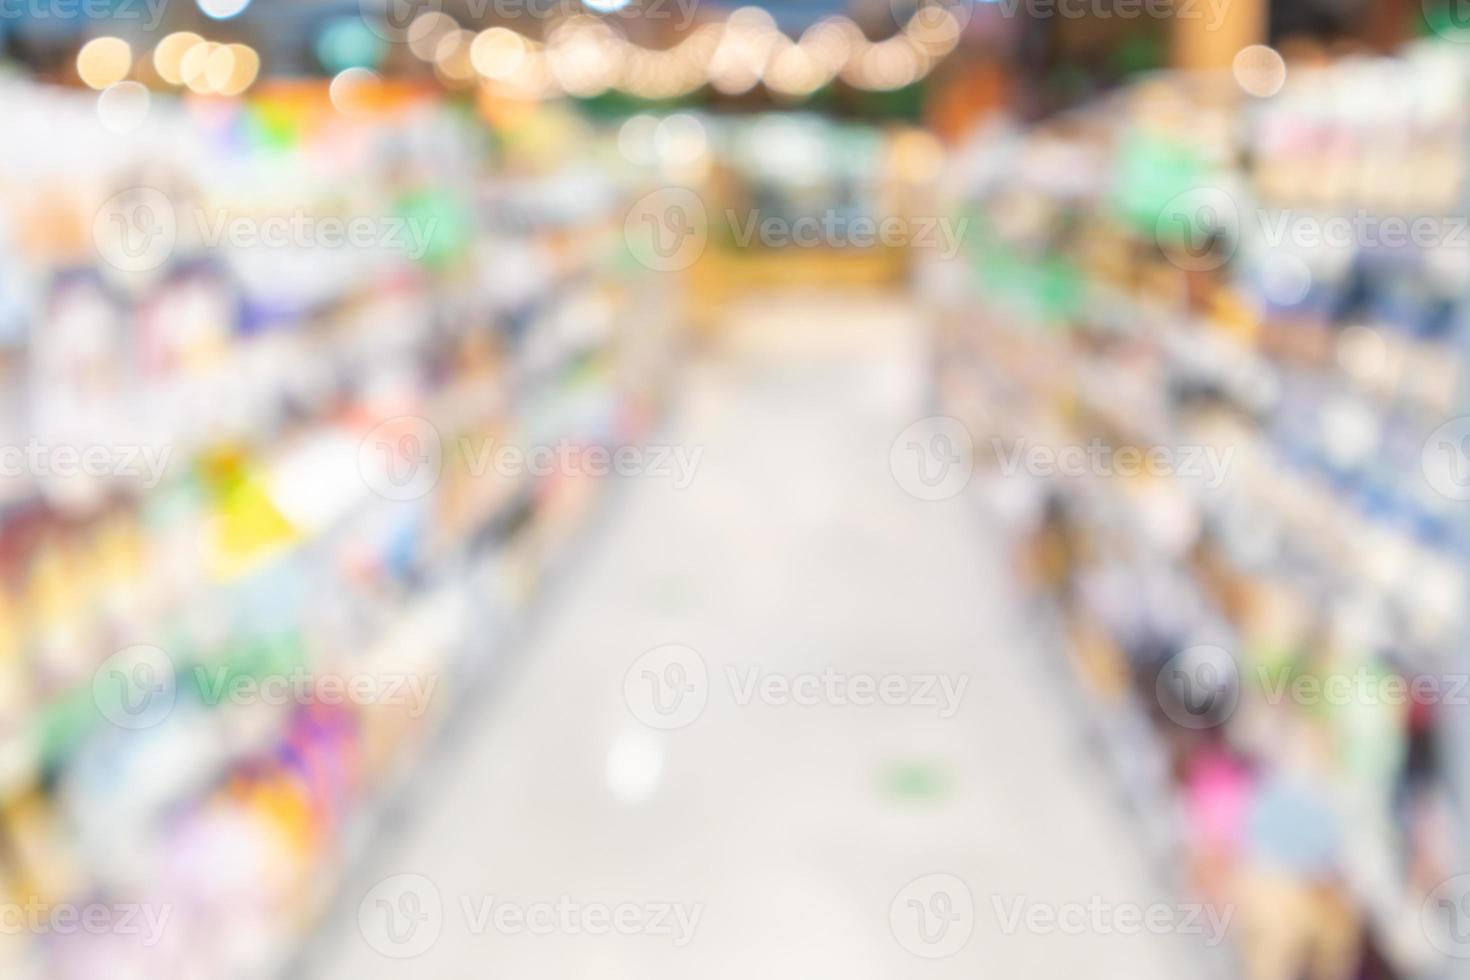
<point>793,830</point>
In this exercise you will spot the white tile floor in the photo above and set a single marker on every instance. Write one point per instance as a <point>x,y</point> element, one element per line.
<point>793,828</point>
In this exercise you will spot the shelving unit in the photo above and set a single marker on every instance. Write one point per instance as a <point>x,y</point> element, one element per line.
<point>276,543</point>
<point>1133,285</point>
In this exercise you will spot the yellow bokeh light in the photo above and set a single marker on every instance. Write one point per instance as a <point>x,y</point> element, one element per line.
<point>353,90</point>
<point>452,56</point>
<point>497,52</point>
<point>193,65</point>
<point>427,30</point>
<point>834,42</point>
<point>219,68</point>
<point>244,69</point>
<point>795,72</point>
<point>104,61</point>
<point>168,57</point>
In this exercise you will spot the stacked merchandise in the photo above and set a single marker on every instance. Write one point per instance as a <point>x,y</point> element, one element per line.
<point>296,541</point>
<point>1211,350</point>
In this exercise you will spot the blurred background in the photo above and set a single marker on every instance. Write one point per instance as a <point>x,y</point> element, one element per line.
<point>655,488</point>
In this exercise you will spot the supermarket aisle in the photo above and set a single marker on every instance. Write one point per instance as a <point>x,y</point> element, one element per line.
<point>769,839</point>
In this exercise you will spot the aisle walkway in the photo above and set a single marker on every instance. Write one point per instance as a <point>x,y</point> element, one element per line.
<point>791,830</point>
